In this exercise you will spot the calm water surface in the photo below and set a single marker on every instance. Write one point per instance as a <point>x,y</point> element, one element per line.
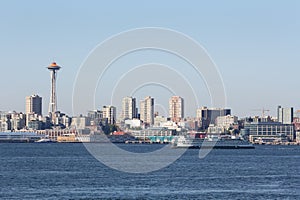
<point>68,171</point>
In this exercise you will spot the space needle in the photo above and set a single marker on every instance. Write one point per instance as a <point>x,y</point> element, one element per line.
<point>53,67</point>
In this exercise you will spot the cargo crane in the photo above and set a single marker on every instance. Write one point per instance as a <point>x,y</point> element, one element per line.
<point>263,111</point>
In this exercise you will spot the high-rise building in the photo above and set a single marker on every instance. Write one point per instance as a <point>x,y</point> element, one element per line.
<point>110,113</point>
<point>53,67</point>
<point>129,108</point>
<point>207,116</point>
<point>33,104</point>
<point>176,108</point>
<point>96,117</point>
<point>285,115</point>
<point>147,110</point>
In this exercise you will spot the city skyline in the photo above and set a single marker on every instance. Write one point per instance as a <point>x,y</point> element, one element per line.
<point>33,105</point>
<point>146,112</point>
<point>208,121</point>
<point>256,53</point>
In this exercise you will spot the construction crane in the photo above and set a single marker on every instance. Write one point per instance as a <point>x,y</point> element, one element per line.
<point>263,111</point>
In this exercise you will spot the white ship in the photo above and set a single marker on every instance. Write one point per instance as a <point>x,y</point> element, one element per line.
<point>45,140</point>
<point>215,142</point>
<point>20,137</point>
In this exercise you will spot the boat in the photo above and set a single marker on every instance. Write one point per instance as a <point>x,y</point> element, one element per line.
<point>45,140</point>
<point>20,137</point>
<point>215,142</point>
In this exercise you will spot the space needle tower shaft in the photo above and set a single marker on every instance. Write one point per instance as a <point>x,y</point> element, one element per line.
<point>53,68</point>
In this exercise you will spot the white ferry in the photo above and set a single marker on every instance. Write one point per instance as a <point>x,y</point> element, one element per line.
<point>20,137</point>
<point>45,140</point>
<point>215,142</point>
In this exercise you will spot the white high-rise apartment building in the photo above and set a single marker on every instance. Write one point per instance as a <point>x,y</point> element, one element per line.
<point>285,115</point>
<point>176,108</point>
<point>129,110</point>
<point>110,112</point>
<point>147,110</point>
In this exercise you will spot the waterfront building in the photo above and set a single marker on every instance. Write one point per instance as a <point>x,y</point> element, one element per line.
<point>176,108</point>
<point>129,110</point>
<point>81,122</point>
<point>212,129</point>
<point>32,118</point>
<point>285,115</point>
<point>133,123</point>
<point>298,136</point>
<point>227,121</point>
<point>110,113</point>
<point>5,124</point>
<point>65,120</point>
<point>190,124</point>
<point>155,134</point>
<point>34,125</point>
<point>47,122</point>
<point>61,119</point>
<point>159,121</point>
<point>17,120</point>
<point>170,125</point>
<point>269,131</point>
<point>207,116</point>
<point>147,110</point>
<point>56,132</point>
<point>297,128</point>
<point>296,123</point>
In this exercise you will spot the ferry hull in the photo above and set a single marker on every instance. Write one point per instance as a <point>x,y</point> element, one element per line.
<point>191,143</point>
<point>216,147</point>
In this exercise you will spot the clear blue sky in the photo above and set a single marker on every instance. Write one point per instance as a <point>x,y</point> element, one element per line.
<point>255,44</point>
